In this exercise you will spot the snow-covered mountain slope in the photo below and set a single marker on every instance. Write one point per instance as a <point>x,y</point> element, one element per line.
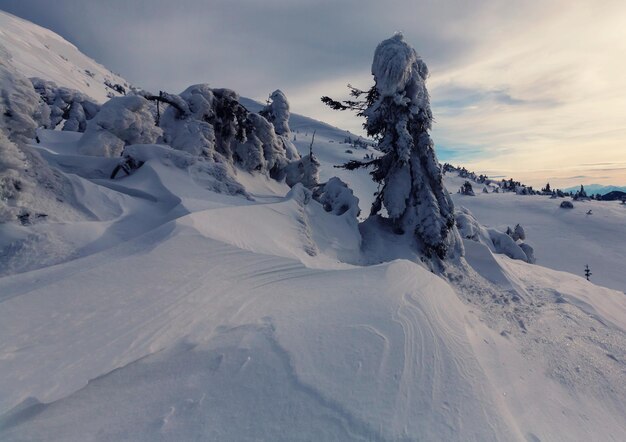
<point>174,312</point>
<point>563,239</point>
<point>38,52</point>
<point>187,314</point>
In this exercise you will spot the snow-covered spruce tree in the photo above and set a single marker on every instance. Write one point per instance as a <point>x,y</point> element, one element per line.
<point>277,113</point>
<point>397,112</point>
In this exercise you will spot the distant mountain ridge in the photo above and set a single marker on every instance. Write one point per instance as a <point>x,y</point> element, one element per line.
<point>593,189</point>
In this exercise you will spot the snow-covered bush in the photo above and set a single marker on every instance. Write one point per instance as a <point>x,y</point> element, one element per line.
<point>519,232</point>
<point>29,188</point>
<point>497,241</point>
<point>398,114</point>
<point>467,189</point>
<point>305,170</point>
<point>262,151</point>
<point>22,111</point>
<point>506,245</point>
<point>470,228</point>
<point>121,121</point>
<point>65,104</point>
<point>336,197</point>
<point>566,205</point>
<point>581,194</point>
<point>521,190</point>
<point>212,123</point>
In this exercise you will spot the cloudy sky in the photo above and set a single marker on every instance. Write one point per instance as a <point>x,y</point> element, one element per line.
<point>530,89</point>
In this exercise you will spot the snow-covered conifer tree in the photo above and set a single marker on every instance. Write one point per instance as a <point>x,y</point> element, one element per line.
<point>398,115</point>
<point>277,112</point>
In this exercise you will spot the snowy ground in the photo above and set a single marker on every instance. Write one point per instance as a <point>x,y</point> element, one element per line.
<point>563,239</point>
<point>171,312</point>
<point>185,314</point>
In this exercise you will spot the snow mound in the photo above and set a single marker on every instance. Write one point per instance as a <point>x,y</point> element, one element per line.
<point>120,122</point>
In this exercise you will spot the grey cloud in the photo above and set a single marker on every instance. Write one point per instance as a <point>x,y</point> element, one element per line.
<point>453,98</point>
<point>251,46</point>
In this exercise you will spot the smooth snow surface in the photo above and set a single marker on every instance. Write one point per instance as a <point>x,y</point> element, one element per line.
<point>563,239</point>
<point>175,313</point>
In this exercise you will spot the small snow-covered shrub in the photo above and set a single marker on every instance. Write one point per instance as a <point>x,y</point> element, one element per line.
<point>522,190</point>
<point>470,228</point>
<point>65,104</point>
<point>29,188</point>
<point>121,121</point>
<point>566,205</point>
<point>519,232</point>
<point>21,109</point>
<point>336,197</point>
<point>497,241</point>
<point>305,170</point>
<point>467,189</point>
<point>504,244</point>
